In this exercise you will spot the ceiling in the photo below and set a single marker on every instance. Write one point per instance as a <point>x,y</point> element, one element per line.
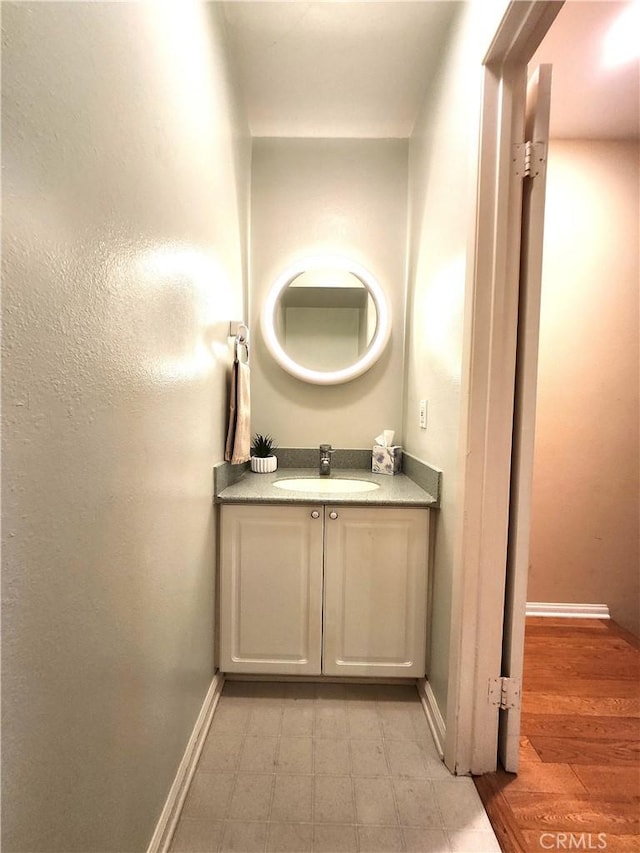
<point>361,69</point>
<point>350,69</point>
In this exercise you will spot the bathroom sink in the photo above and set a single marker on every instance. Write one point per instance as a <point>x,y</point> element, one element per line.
<point>325,485</point>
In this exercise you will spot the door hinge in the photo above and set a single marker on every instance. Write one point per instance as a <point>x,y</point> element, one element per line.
<point>528,159</point>
<point>504,693</point>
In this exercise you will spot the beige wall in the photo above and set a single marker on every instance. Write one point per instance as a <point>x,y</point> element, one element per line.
<point>442,182</point>
<point>342,197</point>
<point>122,253</point>
<point>585,525</point>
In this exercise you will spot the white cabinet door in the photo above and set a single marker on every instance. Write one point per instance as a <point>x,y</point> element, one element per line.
<point>375,591</point>
<point>271,589</point>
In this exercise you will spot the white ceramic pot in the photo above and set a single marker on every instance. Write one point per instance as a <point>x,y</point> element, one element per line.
<point>264,464</point>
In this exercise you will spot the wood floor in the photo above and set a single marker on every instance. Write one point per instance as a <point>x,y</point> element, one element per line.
<point>578,787</point>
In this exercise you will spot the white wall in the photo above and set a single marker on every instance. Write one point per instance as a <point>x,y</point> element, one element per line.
<point>442,185</point>
<point>341,197</point>
<point>586,490</point>
<point>124,180</point>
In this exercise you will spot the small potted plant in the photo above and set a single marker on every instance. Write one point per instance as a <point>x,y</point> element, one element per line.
<point>263,459</point>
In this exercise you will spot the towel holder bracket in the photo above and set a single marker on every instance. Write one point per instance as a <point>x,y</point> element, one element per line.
<point>239,331</point>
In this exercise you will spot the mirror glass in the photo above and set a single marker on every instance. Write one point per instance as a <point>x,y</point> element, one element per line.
<point>326,320</point>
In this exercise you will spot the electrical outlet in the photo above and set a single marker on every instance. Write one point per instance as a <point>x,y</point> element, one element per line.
<point>423,414</point>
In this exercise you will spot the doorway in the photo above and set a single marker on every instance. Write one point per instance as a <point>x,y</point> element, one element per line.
<point>473,745</point>
<point>585,551</point>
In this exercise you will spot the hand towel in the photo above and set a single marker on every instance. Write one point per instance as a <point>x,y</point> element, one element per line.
<point>238,447</point>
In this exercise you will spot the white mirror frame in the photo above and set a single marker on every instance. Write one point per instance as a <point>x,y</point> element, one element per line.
<point>375,348</point>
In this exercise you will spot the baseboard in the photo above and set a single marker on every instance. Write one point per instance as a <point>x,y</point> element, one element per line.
<point>573,611</point>
<point>434,717</point>
<point>170,814</point>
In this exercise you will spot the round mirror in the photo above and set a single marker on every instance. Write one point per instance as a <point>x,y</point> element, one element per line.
<point>326,320</point>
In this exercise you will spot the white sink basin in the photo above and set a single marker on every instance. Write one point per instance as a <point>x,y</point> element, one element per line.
<point>325,485</point>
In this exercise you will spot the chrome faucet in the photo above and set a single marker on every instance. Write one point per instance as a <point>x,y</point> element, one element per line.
<point>325,459</point>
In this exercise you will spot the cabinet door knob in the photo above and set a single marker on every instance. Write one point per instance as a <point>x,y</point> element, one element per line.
<point>333,515</point>
<point>315,514</point>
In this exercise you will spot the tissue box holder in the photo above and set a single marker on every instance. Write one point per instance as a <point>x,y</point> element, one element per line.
<point>386,460</point>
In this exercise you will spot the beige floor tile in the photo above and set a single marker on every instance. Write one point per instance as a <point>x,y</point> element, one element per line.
<point>297,720</point>
<point>368,758</point>
<point>333,800</point>
<point>425,738</point>
<point>423,734</point>
<point>331,721</point>
<point>221,753</point>
<point>241,689</point>
<point>328,767</point>
<point>406,693</point>
<point>334,839</point>
<point>379,839</point>
<point>295,755</point>
<point>300,691</point>
<point>389,692</point>
<point>363,721</point>
<point>460,805</point>
<point>270,692</point>
<point>292,799</point>
<point>426,840</point>
<point>465,841</point>
<point>209,796</point>
<point>251,797</point>
<point>197,836</point>
<point>428,746</point>
<point>243,837</point>
<point>265,720</point>
<point>331,692</point>
<point>363,692</point>
<point>406,758</point>
<point>331,756</point>
<point>394,709</point>
<point>290,838</point>
<point>416,803</point>
<point>258,755</point>
<point>435,767</point>
<point>230,719</point>
<point>397,724</point>
<point>418,715</point>
<point>374,801</point>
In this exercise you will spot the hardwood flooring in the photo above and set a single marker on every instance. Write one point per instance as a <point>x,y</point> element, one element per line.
<point>578,787</point>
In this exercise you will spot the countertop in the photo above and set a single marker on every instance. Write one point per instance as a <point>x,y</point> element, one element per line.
<point>394,489</point>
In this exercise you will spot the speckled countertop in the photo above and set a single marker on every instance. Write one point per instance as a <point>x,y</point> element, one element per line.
<point>394,490</point>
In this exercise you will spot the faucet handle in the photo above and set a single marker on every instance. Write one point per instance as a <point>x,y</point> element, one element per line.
<point>325,459</point>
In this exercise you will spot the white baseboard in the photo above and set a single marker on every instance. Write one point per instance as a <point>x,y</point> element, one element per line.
<point>434,717</point>
<point>170,814</point>
<point>574,611</point>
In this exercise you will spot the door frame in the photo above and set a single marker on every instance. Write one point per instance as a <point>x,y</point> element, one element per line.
<point>489,356</point>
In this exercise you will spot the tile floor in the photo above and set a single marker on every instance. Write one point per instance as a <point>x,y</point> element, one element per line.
<point>326,767</point>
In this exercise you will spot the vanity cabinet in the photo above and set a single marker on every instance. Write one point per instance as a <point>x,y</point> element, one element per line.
<point>271,589</point>
<point>375,591</point>
<point>335,590</point>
